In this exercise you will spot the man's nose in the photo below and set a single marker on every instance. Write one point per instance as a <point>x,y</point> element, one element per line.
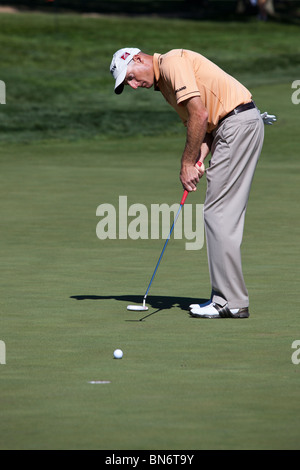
<point>133,84</point>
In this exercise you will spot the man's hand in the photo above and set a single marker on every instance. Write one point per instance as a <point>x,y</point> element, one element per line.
<point>190,175</point>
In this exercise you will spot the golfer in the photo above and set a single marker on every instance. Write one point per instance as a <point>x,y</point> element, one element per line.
<point>222,120</point>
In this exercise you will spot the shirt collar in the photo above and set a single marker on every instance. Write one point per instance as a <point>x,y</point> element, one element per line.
<point>156,70</point>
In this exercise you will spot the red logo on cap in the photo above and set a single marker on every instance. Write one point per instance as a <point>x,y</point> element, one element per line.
<point>125,55</point>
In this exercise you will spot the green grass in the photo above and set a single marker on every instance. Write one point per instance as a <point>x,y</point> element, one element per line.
<point>59,84</point>
<point>182,383</point>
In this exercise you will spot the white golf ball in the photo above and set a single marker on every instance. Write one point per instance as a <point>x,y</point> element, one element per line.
<point>118,354</point>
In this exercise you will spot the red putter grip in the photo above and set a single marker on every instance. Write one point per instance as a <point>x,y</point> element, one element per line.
<point>185,193</point>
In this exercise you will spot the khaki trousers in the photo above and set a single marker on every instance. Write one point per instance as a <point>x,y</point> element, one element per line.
<point>236,147</point>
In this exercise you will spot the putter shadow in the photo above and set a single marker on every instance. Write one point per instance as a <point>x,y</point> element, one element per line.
<point>157,302</point>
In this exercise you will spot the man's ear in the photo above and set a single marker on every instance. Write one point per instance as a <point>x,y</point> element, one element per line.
<point>137,58</point>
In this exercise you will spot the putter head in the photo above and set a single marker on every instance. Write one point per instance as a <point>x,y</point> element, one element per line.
<point>137,308</point>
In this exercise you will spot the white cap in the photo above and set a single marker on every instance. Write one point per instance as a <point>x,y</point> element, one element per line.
<point>118,66</point>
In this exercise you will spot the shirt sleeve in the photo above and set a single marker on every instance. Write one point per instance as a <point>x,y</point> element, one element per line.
<point>179,73</point>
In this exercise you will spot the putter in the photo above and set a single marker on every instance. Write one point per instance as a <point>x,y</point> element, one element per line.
<point>139,308</point>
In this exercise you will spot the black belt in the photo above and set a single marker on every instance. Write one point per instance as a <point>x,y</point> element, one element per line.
<point>239,109</point>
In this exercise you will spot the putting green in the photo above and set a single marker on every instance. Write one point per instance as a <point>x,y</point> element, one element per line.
<point>182,383</point>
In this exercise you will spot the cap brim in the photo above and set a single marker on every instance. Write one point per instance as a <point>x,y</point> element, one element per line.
<point>119,84</point>
<point>119,89</point>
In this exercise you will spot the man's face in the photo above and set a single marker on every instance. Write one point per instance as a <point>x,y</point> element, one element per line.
<point>139,74</point>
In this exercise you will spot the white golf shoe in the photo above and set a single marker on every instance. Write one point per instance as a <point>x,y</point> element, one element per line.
<point>198,306</point>
<point>213,310</point>
<point>206,310</point>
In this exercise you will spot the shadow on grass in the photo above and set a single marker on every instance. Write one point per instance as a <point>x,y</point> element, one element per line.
<point>157,302</point>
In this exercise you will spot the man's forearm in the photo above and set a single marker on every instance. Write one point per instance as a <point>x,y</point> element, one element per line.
<point>205,147</point>
<point>196,133</point>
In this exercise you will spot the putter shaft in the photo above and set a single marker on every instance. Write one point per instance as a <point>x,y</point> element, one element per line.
<point>185,194</point>
<point>165,245</point>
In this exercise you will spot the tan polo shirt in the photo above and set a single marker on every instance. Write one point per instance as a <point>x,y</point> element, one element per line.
<point>181,74</point>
